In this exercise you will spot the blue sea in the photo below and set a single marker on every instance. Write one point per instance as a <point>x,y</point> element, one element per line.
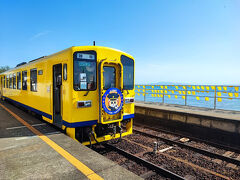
<point>227,97</point>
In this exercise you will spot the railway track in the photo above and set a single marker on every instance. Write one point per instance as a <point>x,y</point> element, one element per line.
<point>185,162</point>
<point>175,159</point>
<point>221,146</point>
<point>192,148</point>
<point>164,172</point>
<point>217,163</point>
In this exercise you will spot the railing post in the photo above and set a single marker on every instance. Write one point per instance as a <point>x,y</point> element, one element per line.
<point>144,93</point>
<point>163,94</point>
<point>185,95</point>
<point>215,97</point>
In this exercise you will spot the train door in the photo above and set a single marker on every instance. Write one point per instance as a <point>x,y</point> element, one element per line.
<point>111,90</point>
<point>57,95</point>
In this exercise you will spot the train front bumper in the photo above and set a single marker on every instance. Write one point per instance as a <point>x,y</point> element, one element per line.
<point>94,140</point>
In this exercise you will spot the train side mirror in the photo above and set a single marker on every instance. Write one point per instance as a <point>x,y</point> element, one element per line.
<point>59,80</point>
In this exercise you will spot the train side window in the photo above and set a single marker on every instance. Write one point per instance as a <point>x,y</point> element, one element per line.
<point>65,72</point>
<point>33,79</point>
<point>10,81</point>
<point>24,80</point>
<point>4,79</point>
<point>19,80</point>
<point>14,81</point>
<point>7,84</point>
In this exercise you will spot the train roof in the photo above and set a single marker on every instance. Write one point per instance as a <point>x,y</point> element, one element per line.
<point>23,64</point>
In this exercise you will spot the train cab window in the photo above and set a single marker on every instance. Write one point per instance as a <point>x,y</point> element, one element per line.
<point>84,77</point>
<point>14,81</point>
<point>7,84</point>
<point>128,72</point>
<point>33,79</point>
<point>24,80</point>
<point>19,80</point>
<point>10,81</point>
<point>109,76</point>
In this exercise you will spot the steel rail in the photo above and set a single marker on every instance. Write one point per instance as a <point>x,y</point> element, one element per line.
<point>225,147</point>
<point>201,151</point>
<point>146,163</point>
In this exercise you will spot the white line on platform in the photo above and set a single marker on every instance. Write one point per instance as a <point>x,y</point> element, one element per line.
<point>22,138</point>
<point>57,132</point>
<point>6,148</point>
<point>18,127</point>
<point>15,127</point>
<point>39,124</point>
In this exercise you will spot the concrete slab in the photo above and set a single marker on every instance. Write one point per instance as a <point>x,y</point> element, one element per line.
<point>23,155</point>
<point>222,120</point>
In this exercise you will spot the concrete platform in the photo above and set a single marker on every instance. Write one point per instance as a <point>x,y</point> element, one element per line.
<point>217,113</point>
<point>25,155</point>
<point>220,125</point>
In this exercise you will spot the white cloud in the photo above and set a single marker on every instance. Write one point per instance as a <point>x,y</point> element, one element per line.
<point>43,33</point>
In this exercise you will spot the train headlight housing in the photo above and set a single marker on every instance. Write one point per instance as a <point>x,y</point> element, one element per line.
<point>129,100</point>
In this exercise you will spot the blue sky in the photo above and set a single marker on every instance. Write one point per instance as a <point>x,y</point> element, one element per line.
<point>187,41</point>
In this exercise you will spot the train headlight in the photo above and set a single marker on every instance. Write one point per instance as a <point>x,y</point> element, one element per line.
<point>129,100</point>
<point>81,104</point>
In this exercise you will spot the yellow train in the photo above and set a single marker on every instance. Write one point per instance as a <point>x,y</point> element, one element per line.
<point>88,91</point>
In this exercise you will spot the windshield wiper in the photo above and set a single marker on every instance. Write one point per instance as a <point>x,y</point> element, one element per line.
<point>86,93</point>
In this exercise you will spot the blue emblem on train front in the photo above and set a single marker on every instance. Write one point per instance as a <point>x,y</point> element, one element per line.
<point>112,101</point>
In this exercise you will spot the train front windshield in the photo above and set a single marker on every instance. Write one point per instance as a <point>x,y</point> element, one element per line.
<point>85,73</point>
<point>128,72</point>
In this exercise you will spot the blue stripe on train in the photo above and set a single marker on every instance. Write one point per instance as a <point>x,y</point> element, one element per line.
<point>90,123</point>
<point>128,116</point>
<point>67,124</point>
<point>79,124</point>
<point>30,108</point>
